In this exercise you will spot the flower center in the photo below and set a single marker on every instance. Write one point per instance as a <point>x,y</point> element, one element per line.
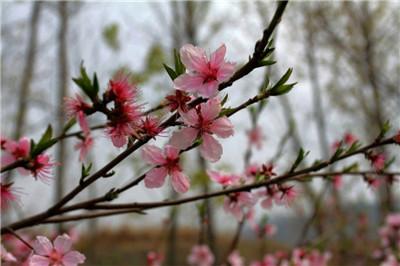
<point>55,257</point>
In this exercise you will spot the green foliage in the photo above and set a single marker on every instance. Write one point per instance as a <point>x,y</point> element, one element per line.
<point>280,87</point>
<point>300,157</point>
<point>86,85</point>
<point>44,143</point>
<point>110,36</point>
<point>85,172</point>
<point>179,67</point>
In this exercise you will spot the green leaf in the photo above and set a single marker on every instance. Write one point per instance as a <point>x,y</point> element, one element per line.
<point>385,128</point>
<point>300,157</point>
<point>266,63</point>
<point>179,67</point>
<point>350,168</point>
<point>110,36</point>
<point>85,172</point>
<point>44,143</point>
<point>280,87</point>
<point>353,147</point>
<point>224,100</point>
<point>339,151</point>
<point>69,124</point>
<point>85,84</point>
<point>171,72</point>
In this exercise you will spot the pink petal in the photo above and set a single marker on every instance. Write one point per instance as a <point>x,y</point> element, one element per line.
<point>188,82</point>
<point>183,138</point>
<point>194,58</point>
<point>73,258</point>
<point>25,145</point>
<point>171,152</point>
<point>83,123</point>
<point>210,149</point>
<point>225,71</point>
<point>153,155</point>
<point>63,244</point>
<point>214,175</point>
<point>209,89</point>
<point>7,158</point>
<point>119,140</point>
<point>190,118</point>
<point>180,182</point>
<point>42,246</point>
<point>222,127</point>
<point>155,178</point>
<point>211,109</point>
<point>37,260</point>
<point>217,57</point>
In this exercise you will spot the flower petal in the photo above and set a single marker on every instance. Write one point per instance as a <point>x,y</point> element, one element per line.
<point>73,258</point>
<point>171,152</point>
<point>194,58</point>
<point>217,57</point>
<point>222,127</point>
<point>190,118</point>
<point>211,109</point>
<point>225,71</point>
<point>155,178</point>
<point>37,260</point>
<point>42,246</point>
<point>180,182</point>
<point>63,244</point>
<point>210,149</point>
<point>153,155</point>
<point>118,140</point>
<point>189,83</point>
<point>183,138</point>
<point>209,89</point>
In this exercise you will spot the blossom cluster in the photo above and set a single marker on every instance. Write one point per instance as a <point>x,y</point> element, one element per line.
<point>389,251</point>
<point>42,252</point>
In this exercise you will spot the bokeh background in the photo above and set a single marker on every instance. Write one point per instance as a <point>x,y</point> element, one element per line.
<point>345,57</point>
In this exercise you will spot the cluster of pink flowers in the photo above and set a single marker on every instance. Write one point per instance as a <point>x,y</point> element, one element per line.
<point>389,250</point>
<point>40,166</point>
<point>201,255</point>
<point>44,253</point>
<point>154,258</point>
<point>278,194</point>
<point>347,140</point>
<point>299,257</point>
<point>377,160</point>
<point>202,122</point>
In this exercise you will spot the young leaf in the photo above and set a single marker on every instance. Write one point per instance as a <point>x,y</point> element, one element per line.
<point>171,72</point>
<point>300,157</point>
<point>179,67</point>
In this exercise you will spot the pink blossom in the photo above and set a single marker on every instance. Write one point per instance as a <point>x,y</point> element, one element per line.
<point>204,75</point>
<point>166,163</point>
<point>252,170</point>
<point>349,139</point>
<point>268,170</point>
<point>84,146</point>
<point>223,178</point>
<point>235,203</point>
<point>178,101</point>
<point>235,259</point>
<point>121,90</point>
<point>6,256</point>
<point>123,123</point>
<point>203,122</point>
<point>77,107</point>
<point>377,161</point>
<point>256,137</point>
<point>271,194</point>
<point>201,255</point>
<point>3,141</point>
<point>8,194</point>
<point>41,167</point>
<point>57,254</point>
<point>150,126</point>
<point>15,150</point>
<point>154,258</point>
<point>373,183</point>
<point>288,194</point>
<point>393,220</point>
<point>268,260</point>
<point>337,181</point>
